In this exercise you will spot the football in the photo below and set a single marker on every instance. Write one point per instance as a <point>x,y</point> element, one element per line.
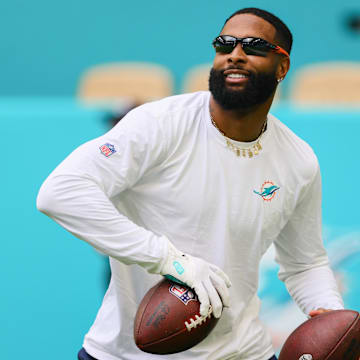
<point>168,319</point>
<point>333,335</point>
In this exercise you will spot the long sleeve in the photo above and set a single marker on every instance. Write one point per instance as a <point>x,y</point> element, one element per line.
<point>304,265</point>
<point>78,193</point>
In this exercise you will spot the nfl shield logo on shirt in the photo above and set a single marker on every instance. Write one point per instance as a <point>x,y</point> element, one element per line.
<point>107,149</point>
<point>184,294</point>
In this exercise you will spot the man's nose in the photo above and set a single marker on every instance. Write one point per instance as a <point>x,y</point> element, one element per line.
<point>237,55</point>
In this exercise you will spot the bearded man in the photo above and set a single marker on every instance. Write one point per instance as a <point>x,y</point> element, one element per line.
<point>207,180</point>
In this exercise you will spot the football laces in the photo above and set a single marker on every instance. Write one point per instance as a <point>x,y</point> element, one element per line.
<point>193,323</point>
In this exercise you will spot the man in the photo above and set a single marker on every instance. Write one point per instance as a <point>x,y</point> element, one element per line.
<point>206,181</point>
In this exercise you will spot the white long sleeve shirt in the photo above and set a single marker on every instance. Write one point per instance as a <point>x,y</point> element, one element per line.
<point>165,172</point>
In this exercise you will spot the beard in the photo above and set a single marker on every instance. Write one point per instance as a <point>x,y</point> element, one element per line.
<point>257,90</point>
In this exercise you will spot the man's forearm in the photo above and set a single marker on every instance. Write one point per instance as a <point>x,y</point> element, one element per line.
<point>314,289</point>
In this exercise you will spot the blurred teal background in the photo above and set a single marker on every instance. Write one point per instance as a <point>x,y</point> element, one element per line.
<point>48,44</point>
<point>54,283</point>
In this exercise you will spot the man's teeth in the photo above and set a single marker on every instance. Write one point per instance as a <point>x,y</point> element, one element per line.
<point>236,76</point>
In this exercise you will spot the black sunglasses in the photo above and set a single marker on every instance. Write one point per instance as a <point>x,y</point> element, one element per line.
<point>251,46</point>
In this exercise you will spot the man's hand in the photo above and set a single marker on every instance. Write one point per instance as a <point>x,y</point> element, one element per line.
<point>319,311</point>
<point>209,281</point>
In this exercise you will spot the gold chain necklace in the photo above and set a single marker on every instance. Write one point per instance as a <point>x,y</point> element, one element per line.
<point>249,151</point>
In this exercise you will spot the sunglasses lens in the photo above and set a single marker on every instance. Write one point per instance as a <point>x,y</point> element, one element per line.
<point>223,47</point>
<point>256,47</point>
<point>253,50</point>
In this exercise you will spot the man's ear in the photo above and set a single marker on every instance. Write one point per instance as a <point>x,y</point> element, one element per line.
<point>283,67</point>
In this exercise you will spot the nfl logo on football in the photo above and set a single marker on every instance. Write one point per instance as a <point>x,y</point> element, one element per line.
<point>305,357</point>
<point>182,293</point>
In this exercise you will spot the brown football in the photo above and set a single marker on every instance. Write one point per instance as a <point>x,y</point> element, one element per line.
<point>168,319</point>
<point>333,335</point>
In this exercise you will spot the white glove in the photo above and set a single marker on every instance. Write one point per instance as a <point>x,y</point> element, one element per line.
<point>209,282</point>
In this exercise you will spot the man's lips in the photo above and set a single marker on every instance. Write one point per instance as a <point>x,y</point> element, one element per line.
<point>236,76</point>
<point>236,71</point>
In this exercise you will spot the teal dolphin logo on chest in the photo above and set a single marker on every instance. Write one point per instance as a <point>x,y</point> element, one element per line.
<point>267,191</point>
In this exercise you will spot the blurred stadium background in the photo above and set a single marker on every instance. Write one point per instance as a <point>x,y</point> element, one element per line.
<point>52,283</point>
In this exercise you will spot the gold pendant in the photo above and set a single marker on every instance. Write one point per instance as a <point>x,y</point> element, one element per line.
<point>254,150</point>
